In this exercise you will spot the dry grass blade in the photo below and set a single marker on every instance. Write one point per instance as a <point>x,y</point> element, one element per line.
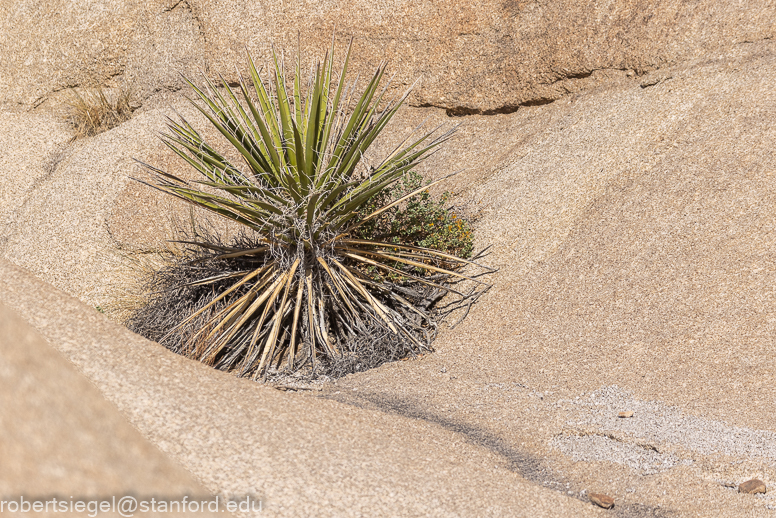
<point>93,111</point>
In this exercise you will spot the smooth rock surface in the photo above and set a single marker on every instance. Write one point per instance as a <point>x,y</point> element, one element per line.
<point>59,437</point>
<point>50,46</point>
<point>633,231</point>
<point>32,145</point>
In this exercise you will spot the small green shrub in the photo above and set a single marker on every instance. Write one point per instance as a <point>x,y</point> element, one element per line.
<point>337,264</point>
<point>423,221</point>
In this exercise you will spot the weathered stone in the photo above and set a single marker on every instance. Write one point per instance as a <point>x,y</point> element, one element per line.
<point>654,78</point>
<point>489,56</point>
<point>59,436</point>
<point>203,419</point>
<point>34,145</point>
<point>752,487</point>
<point>92,42</point>
<point>601,500</point>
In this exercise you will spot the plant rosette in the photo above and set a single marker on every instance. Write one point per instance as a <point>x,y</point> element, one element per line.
<point>333,256</point>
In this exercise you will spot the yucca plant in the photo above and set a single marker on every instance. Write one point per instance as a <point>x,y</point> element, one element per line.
<point>301,285</point>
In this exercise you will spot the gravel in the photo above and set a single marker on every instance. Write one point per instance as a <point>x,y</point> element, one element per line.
<point>657,423</point>
<point>602,448</point>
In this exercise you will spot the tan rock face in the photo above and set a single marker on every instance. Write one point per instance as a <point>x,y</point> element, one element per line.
<point>302,456</point>
<point>669,265</point>
<point>490,56</point>
<point>33,146</point>
<point>634,232</point>
<point>60,437</point>
<point>474,57</point>
<point>50,46</point>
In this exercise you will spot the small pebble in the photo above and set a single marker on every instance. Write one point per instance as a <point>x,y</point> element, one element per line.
<point>625,414</point>
<point>607,502</point>
<point>752,487</point>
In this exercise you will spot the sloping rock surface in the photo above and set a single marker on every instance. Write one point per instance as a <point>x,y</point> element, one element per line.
<point>52,46</point>
<point>59,437</point>
<point>301,456</point>
<point>635,237</point>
